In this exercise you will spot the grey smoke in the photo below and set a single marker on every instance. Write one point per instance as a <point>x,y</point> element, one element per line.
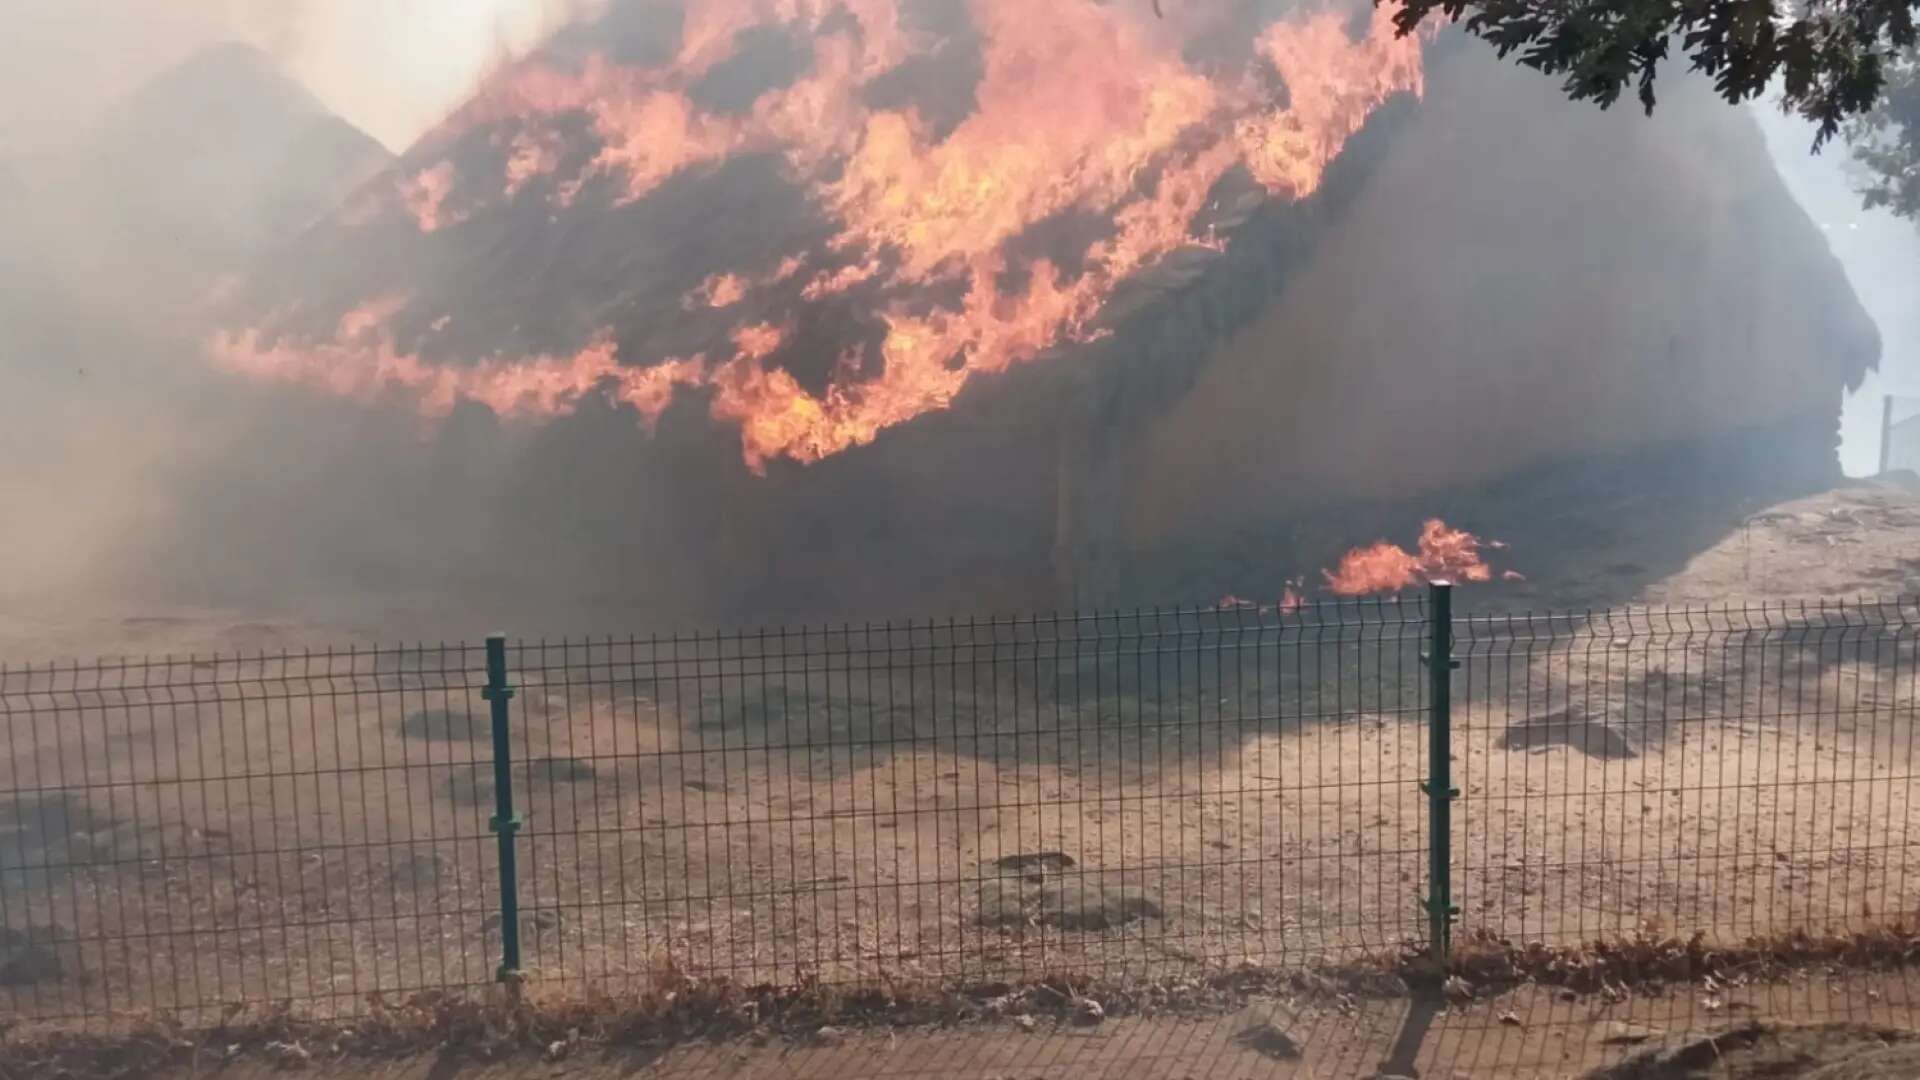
<point>1881,254</point>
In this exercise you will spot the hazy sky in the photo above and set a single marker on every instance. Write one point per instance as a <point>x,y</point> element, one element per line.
<point>393,67</point>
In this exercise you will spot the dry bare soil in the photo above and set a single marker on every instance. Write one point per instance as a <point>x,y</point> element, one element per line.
<point>1125,799</point>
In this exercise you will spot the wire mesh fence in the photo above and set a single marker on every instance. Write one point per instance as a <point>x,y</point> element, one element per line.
<point>1736,772</point>
<point>183,834</point>
<point>975,799</point>
<point>1900,434</point>
<point>1139,793</point>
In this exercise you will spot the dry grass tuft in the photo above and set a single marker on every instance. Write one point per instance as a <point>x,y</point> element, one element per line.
<point>667,1005</point>
<point>1650,959</point>
<point>554,1020</point>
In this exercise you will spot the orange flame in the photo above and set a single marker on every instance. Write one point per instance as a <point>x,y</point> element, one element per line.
<point>839,281</point>
<point>530,154</point>
<point>1291,600</point>
<point>1081,105</point>
<point>1333,83</point>
<point>1445,553</point>
<point>425,196</point>
<point>363,362</point>
<point>718,291</point>
<point>788,267</point>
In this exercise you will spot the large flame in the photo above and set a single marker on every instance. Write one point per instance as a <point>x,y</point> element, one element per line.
<point>1081,106</point>
<point>1444,554</point>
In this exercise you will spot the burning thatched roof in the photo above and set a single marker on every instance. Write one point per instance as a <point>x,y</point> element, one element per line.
<point>782,230</point>
<point>827,216</point>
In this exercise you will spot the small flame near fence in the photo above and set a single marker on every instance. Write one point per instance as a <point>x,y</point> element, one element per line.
<point>1442,553</point>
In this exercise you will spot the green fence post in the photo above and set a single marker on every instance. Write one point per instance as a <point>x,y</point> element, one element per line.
<point>504,823</point>
<point>1439,782</point>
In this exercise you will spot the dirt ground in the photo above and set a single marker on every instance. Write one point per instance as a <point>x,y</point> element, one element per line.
<point>1135,799</point>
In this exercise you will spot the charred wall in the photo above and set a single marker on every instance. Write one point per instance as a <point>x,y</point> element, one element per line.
<point>1521,283</point>
<point>1499,304</point>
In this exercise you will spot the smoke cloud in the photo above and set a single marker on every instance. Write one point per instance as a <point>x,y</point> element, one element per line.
<point>133,471</point>
<point>392,69</point>
<point>1881,256</point>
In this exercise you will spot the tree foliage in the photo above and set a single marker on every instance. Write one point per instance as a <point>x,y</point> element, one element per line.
<point>1846,65</point>
<point>1831,57</point>
<point>1887,142</point>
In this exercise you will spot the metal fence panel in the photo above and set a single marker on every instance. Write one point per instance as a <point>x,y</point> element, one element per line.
<point>1900,434</point>
<point>1133,792</point>
<point>1729,771</point>
<point>1152,792</point>
<point>181,834</point>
